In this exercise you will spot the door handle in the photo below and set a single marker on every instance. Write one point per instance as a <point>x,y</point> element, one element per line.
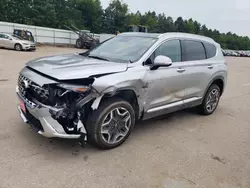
<point>180,70</point>
<point>210,66</point>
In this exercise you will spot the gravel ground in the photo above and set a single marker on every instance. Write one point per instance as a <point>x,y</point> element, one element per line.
<point>181,150</point>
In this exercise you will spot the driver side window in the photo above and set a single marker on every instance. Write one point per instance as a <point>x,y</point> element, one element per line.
<point>171,49</point>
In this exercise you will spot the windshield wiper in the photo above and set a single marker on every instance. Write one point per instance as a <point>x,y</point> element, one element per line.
<point>97,57</point>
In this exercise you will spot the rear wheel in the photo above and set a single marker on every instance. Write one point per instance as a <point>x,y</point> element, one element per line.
<point>211,100</point>
<point>79,43</point>
<point>111,124</point>
<point>18,47</point>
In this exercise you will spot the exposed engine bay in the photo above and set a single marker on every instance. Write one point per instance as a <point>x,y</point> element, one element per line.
<point>68,103</point>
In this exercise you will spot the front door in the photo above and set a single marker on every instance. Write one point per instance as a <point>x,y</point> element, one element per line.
<point>166,85</point>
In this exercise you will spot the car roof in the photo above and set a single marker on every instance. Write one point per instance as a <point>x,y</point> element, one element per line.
<point>169,35</point>
<point>186,35</point>
<point>4,33</point>
<point>139,34</point>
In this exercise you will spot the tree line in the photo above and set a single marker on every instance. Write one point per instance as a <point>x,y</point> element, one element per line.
<point>89,14</point>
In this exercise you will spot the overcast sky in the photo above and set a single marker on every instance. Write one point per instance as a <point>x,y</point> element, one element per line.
<point>224,15</point>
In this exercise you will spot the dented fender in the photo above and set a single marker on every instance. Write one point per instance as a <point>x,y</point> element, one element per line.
<point>111,84</point>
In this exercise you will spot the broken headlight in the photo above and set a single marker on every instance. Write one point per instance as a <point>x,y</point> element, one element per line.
<point>76,88</point>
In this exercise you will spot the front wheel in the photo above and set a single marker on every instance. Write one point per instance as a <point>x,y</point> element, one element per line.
<point>111,124</point>
<point>18,47</point>
<point>211,100</point>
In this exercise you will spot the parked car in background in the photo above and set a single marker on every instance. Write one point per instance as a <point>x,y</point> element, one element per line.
<point>236,53</point>
<point>130,77</point>
<point>15,42</point>
<point>24,34</point>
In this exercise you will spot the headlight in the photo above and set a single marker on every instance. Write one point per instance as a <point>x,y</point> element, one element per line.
<point>76,88</point>
<point>25,43</point>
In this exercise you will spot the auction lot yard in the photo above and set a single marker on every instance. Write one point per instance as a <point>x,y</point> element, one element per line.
<point>181,150</point>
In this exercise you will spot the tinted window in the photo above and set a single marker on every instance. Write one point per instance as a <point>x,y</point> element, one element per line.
<point>1,36</point>
<point>210,49</point>
<point>172,49</point>
<point>192,50</point>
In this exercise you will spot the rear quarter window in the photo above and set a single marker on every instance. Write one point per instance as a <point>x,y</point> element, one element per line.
<point>210,49</point>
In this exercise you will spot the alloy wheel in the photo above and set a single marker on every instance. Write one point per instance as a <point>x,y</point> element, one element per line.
<point>116,125</point>
<point>212,100</point>
<point>18,47</point>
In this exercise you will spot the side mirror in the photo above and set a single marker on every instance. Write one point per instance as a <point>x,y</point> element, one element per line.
<point>10,38</point>
<point>161,61</point>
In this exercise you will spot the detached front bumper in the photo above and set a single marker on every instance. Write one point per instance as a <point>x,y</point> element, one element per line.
<point>39,117</point>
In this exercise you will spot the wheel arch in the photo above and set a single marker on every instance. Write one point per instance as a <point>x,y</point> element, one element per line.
<point>128,95</point>
<point>218,80</point>
<point>18,44</point>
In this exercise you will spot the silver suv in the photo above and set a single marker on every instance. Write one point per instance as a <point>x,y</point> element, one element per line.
<point>98,96</point>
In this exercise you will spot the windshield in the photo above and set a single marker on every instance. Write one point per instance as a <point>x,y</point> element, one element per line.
<point>123,48</point>
<point>16,37</point>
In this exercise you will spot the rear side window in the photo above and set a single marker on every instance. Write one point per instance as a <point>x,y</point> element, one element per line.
<point>171,49</point>
<point>210,49</point>
<point>1,36</point>
<point>192,50</point>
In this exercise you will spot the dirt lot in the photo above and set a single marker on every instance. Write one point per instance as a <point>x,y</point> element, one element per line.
<point>181,150</point>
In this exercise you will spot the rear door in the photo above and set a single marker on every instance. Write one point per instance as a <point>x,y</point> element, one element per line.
<point>198,69</point>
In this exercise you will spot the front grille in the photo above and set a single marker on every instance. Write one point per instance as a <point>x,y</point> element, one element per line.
<point>30,90</point>
<point>21,84</point>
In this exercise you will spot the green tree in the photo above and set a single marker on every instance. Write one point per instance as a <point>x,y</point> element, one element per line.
<point>204,30</point>
<point>149,19</point>
<point>197,27</point>
<point>66,14</point>
<point>179,25</point>
<point>170,23</point>
<point>3,10</point>
<point>134,19</point>
<point>189,26</point>
<point>17,10</point>
<point>42,13</point>
<point>116,17</point>
<point>91,14</point>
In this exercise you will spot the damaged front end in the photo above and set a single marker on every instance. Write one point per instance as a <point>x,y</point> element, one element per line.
<point>56,109</point>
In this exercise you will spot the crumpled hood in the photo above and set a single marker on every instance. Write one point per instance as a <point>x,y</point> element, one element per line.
<point>74,66</point>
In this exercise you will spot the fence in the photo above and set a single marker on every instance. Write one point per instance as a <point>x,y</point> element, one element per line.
<point>47,35</point>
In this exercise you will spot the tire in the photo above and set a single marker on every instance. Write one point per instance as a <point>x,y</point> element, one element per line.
<point>204,107</point>
<point>18,47</point>
<point>96,122</point>
<point>79,43</point>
